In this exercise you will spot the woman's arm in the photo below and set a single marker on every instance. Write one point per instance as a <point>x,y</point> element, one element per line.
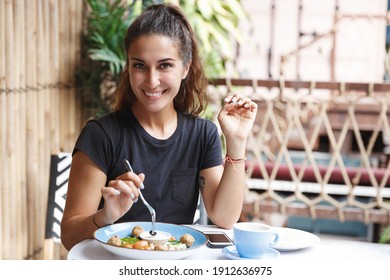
<point>82,200</point>
<point>86,186</point>
<point>224,186</point>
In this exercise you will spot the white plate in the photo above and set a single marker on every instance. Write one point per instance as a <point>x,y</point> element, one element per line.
<point>231,253</point>
<point>294,239</point>
<point>124,229</point>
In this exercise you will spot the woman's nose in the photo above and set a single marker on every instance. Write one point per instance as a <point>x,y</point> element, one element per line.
<point>153,79</point>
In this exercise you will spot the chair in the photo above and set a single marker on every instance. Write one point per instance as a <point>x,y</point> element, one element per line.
<point>201,217</point>
<point>58,187</point>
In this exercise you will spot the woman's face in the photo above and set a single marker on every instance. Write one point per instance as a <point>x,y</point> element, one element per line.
<point>156,71</point>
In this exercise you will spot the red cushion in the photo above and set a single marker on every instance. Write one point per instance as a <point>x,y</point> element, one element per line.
<point>336,177</point>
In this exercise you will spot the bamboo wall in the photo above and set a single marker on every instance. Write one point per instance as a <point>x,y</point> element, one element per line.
<point>39,112</point>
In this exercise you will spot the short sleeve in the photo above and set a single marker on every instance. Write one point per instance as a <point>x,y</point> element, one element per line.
<point>95,143</point>
<point>213,151</point>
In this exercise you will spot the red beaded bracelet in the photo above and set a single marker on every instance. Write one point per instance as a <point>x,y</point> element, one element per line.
<point>234,161</point>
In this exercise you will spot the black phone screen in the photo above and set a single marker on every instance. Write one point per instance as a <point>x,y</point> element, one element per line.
<point>218,239</point>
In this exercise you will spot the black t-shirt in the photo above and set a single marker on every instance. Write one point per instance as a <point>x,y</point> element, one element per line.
<point>171,166</point>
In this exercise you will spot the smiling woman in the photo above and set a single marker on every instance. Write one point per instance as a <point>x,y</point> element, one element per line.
<point>156,125</point>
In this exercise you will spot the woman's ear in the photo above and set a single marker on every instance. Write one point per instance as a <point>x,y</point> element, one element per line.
<point>186,69</point>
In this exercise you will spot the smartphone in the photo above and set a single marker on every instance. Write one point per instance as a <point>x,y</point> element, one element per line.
<point>218,239</point>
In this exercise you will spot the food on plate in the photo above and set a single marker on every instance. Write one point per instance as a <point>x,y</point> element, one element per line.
<point>137,230</point>
<point>141,244</point>
<point>187,239</point>
<point>134,241</point>
<point>115,240</point>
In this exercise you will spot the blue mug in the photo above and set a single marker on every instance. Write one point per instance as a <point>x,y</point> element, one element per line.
<point>253,239</point>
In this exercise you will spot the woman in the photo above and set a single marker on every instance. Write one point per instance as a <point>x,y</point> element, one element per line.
<point>157,128</point>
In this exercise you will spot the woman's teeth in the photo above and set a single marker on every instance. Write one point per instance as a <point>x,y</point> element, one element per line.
<point>153,94</point>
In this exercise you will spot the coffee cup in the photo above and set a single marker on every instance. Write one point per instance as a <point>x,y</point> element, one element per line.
<point>253,239</point>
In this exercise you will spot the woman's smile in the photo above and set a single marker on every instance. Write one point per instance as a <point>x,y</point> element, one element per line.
<point>153,94</point>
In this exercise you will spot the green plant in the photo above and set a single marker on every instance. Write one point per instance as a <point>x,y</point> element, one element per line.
<point>216,25</point>
<point>106,26</point>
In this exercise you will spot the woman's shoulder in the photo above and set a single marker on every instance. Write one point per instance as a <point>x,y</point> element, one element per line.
<point>198,123</point>
<point>111,121</point>
<point>198,120</point>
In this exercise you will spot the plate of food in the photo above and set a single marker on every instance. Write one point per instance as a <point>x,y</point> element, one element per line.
<point>133,240</point>
<point>291,239</point>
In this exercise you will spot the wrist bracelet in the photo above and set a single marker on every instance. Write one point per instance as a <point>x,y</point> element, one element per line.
<point>234,161</point>
<point>94,222</point>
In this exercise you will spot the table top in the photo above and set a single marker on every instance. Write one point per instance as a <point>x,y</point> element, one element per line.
<point>328,248</point>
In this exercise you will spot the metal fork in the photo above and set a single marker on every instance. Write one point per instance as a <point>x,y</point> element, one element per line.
<point>150,208</point>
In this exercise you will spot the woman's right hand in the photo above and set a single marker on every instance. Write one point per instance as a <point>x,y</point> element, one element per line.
<point>120,195</point>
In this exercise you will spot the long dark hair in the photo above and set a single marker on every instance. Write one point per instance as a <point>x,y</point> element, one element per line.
<point>168,20</point>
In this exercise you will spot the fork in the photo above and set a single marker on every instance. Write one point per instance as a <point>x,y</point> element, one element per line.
<point>150,208</point>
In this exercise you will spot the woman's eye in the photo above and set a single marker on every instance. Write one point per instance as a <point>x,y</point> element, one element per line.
<point>166,66</point>
<point>138,65</point>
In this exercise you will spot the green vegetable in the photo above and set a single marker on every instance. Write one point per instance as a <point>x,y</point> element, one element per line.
<point>129,239</point>
<point>175,242</point>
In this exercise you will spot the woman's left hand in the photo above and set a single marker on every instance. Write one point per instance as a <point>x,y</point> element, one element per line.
<point>237,116</point>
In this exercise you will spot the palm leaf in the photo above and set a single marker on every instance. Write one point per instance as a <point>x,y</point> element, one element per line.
<point>115,63</point>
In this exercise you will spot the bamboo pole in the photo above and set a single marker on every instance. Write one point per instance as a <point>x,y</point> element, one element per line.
<point>31,124</point>
<point>79,28</point>
<point>23,142</point>
<point>10,202</point>
<point>41,82</point>
<point>2,127</point>
<point>54,45</point>
<point>71,80</point>
<point>64,74</point>
<point>19,132</point>
<point>48,82</point>
<point>54,75</point>
<point>47,115</point>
